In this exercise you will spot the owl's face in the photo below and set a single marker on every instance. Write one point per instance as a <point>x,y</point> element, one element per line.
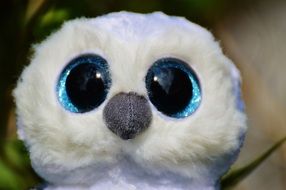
<point>147,93</point>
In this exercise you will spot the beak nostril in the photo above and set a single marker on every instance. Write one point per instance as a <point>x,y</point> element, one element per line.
<point>127,114</point>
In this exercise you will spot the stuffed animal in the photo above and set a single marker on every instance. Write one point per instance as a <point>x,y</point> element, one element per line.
<point>130,101</point>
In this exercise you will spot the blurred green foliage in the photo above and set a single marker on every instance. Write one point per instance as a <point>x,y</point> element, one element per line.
<point>24,22</point>
<point>15,168</point>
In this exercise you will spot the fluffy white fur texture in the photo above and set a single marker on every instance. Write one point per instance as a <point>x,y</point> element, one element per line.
<point>78,151</point>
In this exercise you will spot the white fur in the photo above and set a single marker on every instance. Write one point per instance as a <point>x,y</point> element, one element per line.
<point>77,150</point>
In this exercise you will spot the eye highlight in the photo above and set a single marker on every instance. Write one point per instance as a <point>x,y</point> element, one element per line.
<point>173,88</point>
<point>84,83</point>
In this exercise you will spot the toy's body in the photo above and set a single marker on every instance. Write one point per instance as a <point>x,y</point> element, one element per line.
<point>130,101</point>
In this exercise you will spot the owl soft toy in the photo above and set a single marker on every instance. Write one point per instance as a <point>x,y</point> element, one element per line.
<point>130,101</point>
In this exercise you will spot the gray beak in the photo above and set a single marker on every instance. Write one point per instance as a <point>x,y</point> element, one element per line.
<point>127,115</point>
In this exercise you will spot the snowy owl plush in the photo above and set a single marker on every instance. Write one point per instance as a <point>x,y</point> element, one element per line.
<point>130,101</point>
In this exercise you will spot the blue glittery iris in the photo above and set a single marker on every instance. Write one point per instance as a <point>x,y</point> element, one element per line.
<point>165,70</point>
<point>100,65</point>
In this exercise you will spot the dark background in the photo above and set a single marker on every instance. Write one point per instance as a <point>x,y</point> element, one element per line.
<point>252,33</point>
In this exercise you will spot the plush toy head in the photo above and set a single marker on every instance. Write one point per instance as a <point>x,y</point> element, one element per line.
<point>130,101</point>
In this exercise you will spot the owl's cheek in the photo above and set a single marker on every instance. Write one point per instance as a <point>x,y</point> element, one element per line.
<point>162,146</point>
<point>70,153</point>
<point>186,146</point>
<point>168,154</point>
<point>60,150</point>
<point>67,174</point>
<point>68,161</point>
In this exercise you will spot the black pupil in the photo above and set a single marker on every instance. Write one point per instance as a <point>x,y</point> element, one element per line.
<point>85,87</point>
<point>170,89</point>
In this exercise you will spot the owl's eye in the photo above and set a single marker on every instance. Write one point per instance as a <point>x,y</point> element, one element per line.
<point>84,83</point>
<point>173,87</point>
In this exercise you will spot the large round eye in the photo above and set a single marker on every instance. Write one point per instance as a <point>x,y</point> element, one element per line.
<point>173,87</point>
<point>84,83</point>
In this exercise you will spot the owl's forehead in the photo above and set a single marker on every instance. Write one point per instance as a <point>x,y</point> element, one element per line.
<point>127,26</point>
<point>128,33</point>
